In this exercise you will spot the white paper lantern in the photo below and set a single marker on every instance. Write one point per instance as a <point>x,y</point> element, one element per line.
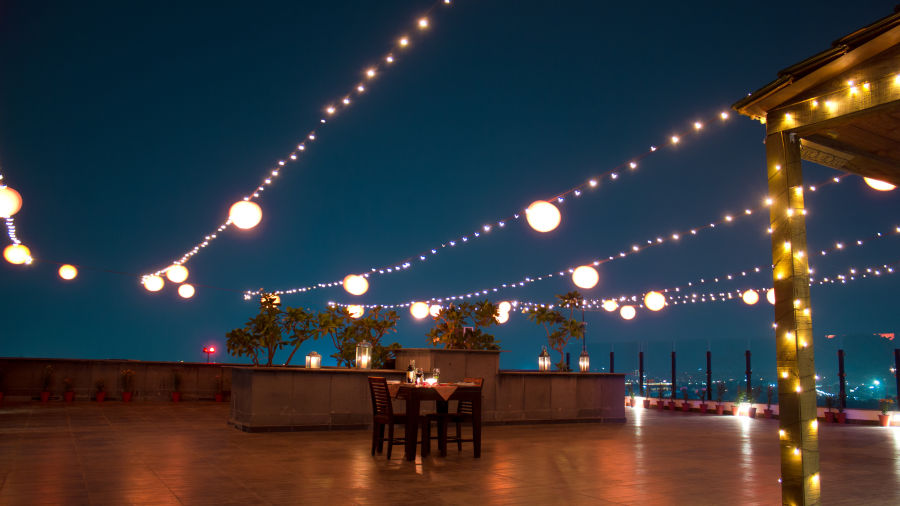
<point>186,291</point>
<point>356,284</point>
<point>68,272</point>
<point>177,273</point>
<point>17,254</point>
<point>627,312</point>
<point>750,297</point>
<point>502,318</point>
<point>153,283</point>
<point>542,216</point>
<point>419,310</point>
<point>770,296</point>
<point>654,301</point>
<point>504,307</point>
<point>245,214</point>
<point>585,277</point>
<point>434,310</point>
<point>610,305</point>
<point>355,310</point>
<point>10,202</point>
<point>882,186</point>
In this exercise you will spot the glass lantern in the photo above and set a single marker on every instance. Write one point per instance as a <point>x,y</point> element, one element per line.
<point>584,361</point>
<point>314,361</point>
<point>544,360</point>
<point>364,355</point>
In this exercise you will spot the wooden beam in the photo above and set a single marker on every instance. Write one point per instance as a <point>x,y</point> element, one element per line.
<point>837,155</point>
<point>793,324</point>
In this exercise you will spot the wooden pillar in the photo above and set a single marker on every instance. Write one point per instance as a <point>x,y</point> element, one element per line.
<point>793,325</point>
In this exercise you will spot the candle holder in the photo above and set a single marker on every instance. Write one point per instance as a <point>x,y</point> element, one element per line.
<point>313,361</point>
<point>364,355</point>
<point>544,360</point>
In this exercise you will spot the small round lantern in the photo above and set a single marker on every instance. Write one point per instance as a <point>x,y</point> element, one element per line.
<point>504,307</point>
<point>654,301</point>
<point>68,272</point>
<point>610,305</point>
<point>585,277</point>
<point>314,361</point>
<point>153,283</point>
<point>355,284</point>
<point>750,297</point>
<point>356,311</point>
<point>17,254</point>
<point>584,361</point>
<point>186,291</point>
<point>434,310</point>
<point>364,355</point>
<point>502,318</point>
<point>245,214</point>
<point>876,184</point>
<point>10,202</point>
<point>627,312</point>
<point>542,216</point>
<point>770,296</point>
<point>419,310</point>
<point>544,360</point>
<point>177,273</point>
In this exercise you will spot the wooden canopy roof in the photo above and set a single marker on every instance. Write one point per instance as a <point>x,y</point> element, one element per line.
<point>843,103</point>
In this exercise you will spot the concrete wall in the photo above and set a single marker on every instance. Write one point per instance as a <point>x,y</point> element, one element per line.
<point>21,378</point>
<point>554,396</point>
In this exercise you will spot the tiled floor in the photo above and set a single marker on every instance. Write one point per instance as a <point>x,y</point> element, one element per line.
<point>157,453</point>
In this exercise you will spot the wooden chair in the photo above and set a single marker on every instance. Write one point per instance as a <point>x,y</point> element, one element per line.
<point>464,414</point>
<point>383,415</point>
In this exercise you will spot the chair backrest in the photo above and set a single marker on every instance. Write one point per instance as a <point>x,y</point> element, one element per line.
<point>465,407</point>
<point>381,397</point>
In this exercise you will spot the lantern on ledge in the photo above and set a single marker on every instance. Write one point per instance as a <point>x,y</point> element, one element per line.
<point>544,360</point>
<point>364,355</point>
<point>584,361</point>
<point>314,361</point>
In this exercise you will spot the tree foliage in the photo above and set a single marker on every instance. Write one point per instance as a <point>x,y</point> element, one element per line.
<point>451,330</point>
<point>559,329</point>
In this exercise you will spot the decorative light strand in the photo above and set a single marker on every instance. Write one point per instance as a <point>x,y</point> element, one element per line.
<point>10,222</point>
<point>484,230</point>
<point>331,110</point>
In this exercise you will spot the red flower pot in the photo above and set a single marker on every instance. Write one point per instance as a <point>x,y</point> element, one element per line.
<point>176,396</point>
<point>829,416</point>
<point>685,406</point>
<point>672,405</point>
<point>126,396</point>
<point>751,412</point>
<point>646,403</point>
<point>734,409</point>
<point>884,420</point>
<point>768,413</point>
<point>661,404</point>
<point>69,396</point>
<point>842,418</point>
<point>101,396</point>
<point>720,409</point>
<point>45,396</point>
<point>221,397</point>
<point>702,407</point>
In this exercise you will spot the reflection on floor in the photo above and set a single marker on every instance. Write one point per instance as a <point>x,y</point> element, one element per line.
<point>163,453</point>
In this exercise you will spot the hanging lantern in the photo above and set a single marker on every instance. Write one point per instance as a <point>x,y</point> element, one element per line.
<point>542,216</point>
<point>177,273</point>
<point>364,355</point>
<point>356,284</point>
<point>17,254</point>
<point>355,310</point>
<point>654,301</point>
<point>67,272</point>
<point>627,312</point>
<point>314,361</point>
<point>882,186</point>
<point>610,305</point>
<point>504,307</point>
<point>502,318</point>
<point>770,296</point>
<point>419,310</point>
<point>186,291</point>
<point>153,283</point>
<point>434,310</point>
<point>585,277</point>
<point>10,202</point>
<point>245,214</point>
<point>544,360</point>
<point>584,361</point>
<point>750,297</point>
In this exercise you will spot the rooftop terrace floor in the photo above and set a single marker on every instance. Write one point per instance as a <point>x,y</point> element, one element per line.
<point>164,453</point>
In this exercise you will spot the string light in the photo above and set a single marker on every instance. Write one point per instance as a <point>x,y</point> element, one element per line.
<point>272,173</point>
<point>67,272</point>
<point>10,201</point>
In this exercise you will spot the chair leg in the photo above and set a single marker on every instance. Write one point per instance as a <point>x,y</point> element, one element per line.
<point>459,436</point>
<point>380,438</point>
<point>374,437</point>
<point>390,439</point>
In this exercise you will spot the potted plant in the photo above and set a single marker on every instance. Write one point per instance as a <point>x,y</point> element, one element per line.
<point>884,418</point>
<point>751,396</point>
<point>686,405</point>
<point>702,395</point>
<point>841,416</point>
<point>770,396</point>
<point>100,384</point>
<point>176,386</point>
<point>127,384</point>
<point>660,403</point>
<point>671,402</point>
<point>647,401</point>
<point>220,388</point>
<point>558,327</point>
<point>739,399</point>
<point>829,403</point>
<point>46,382</point>
<point>720,392</point>
<point>69,392</point>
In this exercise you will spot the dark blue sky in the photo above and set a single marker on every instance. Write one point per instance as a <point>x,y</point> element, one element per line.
<point>130,128</point>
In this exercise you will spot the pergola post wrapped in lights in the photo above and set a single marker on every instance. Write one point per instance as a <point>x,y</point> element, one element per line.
<point>839,108</point>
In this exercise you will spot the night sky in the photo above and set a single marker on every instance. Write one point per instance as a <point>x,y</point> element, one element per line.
<point>130,128</point>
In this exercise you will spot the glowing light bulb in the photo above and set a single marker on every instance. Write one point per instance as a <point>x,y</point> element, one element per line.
<point>355,310</point>
<point>404,42</point>
<point>68,272</point>
<point>542,216</point>
<point>675,139</point>
<point>355,284</point>
<point>17,254</point>
<point>434,310</point>
<point>781,433</point>
<point>502,318</point>
<point>423,23</point>
<point>186,291</point>
<point>770,296</point>
<point>370,73</point>
<point>654,301</point>
<point>585,277</point>
<point>610,305</point>
<point>419,310</point>
<point>504,307</point>
<point>723,115</point>
<point>881,186</point>
<point>10,202</point>
<point>153,283</point>
<point>698,125</point>
<point>627,312</point>
<point>750,297</point>
<point>245,214</point>
<point>177,273</point>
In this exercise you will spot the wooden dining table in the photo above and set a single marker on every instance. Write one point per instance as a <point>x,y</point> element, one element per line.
<point>414,395</point>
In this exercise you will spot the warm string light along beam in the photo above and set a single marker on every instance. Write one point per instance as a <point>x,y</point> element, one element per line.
<point>331,110</point>
<point>584,188</point>
<point>15,253</point>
